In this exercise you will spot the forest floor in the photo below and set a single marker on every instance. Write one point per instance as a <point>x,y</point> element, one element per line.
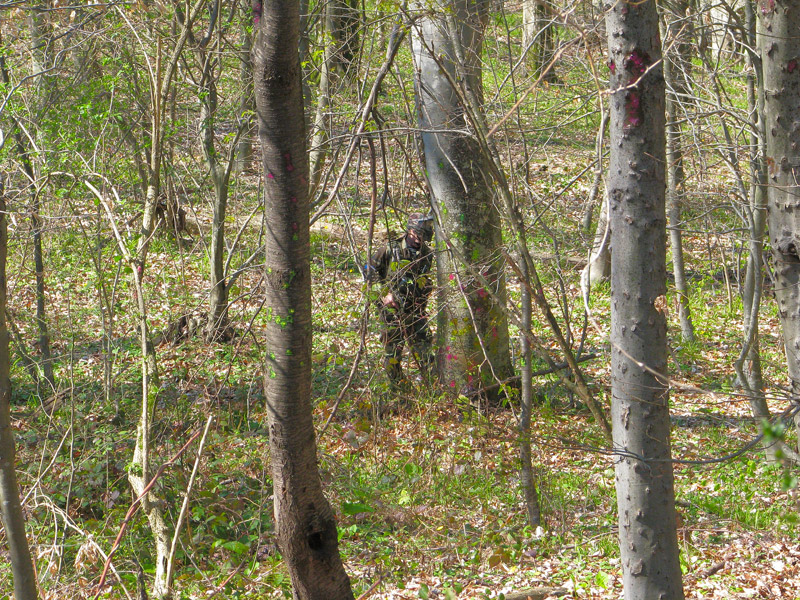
<point>425,486</point>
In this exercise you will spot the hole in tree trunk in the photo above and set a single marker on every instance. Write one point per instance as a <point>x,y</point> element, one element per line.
<point>315,541</point>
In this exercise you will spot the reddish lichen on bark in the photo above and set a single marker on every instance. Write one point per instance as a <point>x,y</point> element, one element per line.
<point>636,64</point>
<point>633,110</point>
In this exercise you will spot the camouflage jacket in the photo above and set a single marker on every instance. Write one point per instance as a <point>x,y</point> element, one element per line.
<point>405,272</point>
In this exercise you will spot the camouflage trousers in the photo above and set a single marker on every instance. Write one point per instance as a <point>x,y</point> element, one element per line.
<point>401,328</point>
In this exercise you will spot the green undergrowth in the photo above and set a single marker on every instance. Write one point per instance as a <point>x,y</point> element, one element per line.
<point>430,491</point>
<point>425,486</point>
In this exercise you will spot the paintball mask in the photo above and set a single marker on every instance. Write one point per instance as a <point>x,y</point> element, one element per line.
<point>422,225</point>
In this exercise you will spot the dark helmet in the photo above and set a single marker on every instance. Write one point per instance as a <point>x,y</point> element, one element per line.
<point>422,225</point>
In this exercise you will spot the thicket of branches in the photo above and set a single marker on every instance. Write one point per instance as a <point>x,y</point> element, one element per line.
<point>134,201</point>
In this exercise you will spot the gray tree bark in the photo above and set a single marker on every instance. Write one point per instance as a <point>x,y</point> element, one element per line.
<point>219,169</point>
<point>322,119</point>
<point>677,69</point>
<point>140,472</point>
<point>160,89</point>
<point>305,524</point>
<point>640,394</point>
<point>472,323</point>
<point>779,25</point>
<point>598,267</point>
<point>748,364</point>
<point>538,38</point>
<point>10,506</point>
<point>526,474</point>
<point>342,20</point>
<point>244,149</point>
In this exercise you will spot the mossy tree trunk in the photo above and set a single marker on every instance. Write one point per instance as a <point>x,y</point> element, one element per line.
<point>472,322</point>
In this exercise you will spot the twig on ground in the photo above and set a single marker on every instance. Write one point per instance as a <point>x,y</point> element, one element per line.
<point>712,570</point>
<point>371,589</point>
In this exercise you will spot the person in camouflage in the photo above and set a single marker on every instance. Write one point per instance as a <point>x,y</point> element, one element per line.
<point>403,268</point>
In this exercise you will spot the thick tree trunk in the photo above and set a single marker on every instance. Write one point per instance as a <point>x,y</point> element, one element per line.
<point>472,323</point>
<point>305,524</point>
<point>640,411</point>
<point>10,507</point>
<point>780,22</point>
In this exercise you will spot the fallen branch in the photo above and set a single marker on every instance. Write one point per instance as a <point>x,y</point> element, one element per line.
<point>712,570</point>
<point>371,589</point>
<point>563,365</point>
<point>555,368</point>
<point>537,593</point>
